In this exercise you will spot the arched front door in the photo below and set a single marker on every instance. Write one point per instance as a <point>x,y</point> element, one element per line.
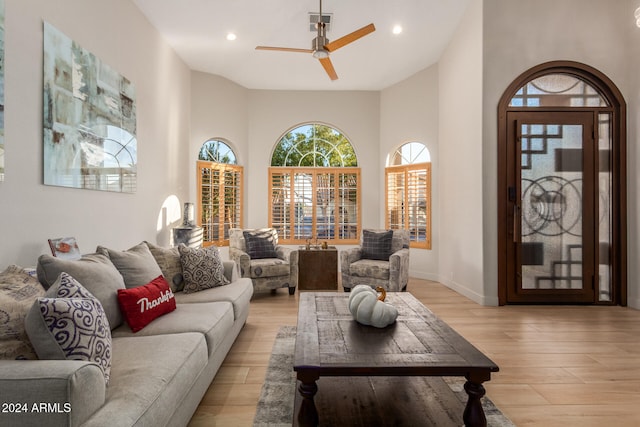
<point>561,190</point>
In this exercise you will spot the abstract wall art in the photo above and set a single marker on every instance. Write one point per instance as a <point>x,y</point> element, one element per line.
<point>89,119</point>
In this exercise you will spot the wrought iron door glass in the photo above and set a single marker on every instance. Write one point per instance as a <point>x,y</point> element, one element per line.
<point>551,206</point>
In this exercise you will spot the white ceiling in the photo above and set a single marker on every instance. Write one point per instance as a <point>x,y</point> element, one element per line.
<point>197,30</point>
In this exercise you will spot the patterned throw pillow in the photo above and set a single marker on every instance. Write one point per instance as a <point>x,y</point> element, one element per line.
<point>376,245</point>
<point>260,244</point>
<point>72,326</point>
<point>169,261</point>
<point>18,290</point>
<point>202,268</point>
<point>143,304</point>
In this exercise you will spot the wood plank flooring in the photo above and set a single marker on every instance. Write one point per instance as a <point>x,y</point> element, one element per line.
<point>559,365</point>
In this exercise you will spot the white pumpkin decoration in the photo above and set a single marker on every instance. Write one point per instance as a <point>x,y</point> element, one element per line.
<point>369,309</point>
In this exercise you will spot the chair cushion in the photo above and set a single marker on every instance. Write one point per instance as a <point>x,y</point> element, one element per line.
<point>376,245</point>
<point>370,268</point>
<point>214,320</point>
<point>238,293</point>
<point>260,243</point>
<point>269,267</point>
<point>161,369</point>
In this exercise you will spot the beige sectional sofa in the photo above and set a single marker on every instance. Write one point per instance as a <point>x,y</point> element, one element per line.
<point>158,375</point>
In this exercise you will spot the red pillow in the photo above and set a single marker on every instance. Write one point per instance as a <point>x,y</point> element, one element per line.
<point>142,304</point>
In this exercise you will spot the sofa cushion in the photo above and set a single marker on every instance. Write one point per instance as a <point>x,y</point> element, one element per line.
<point>70,325</point>
<point>269,267</point>
<point>136,265</point>
<point>214,320</point>
<point>18,290</point>
<point>95,272</point>
<point>238,293</point>
<point>202,268</point>
<point>149,378</point>
<point>168,260</point>
<point>376,245</point>
<point>260,243</point>
<point>141,305</point>
<point>370,268</point>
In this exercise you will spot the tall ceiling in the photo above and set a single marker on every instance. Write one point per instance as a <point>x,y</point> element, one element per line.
<point>197,30</point>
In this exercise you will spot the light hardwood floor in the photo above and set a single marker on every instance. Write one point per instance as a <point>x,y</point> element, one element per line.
<point>559,365</point>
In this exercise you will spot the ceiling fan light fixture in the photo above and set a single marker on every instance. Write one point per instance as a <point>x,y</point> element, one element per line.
<point>320,53</point>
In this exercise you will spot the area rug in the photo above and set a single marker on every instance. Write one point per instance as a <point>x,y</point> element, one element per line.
<point>435,401</point>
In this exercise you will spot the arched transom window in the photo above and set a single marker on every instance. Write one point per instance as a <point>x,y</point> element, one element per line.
<point>314,145</point>
<point>315,186</point>
<point>408,192</point>
<point>219,191</point>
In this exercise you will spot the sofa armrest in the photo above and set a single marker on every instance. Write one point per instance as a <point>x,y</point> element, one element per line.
<point>284,253</point>
<point>231,271</point>
<point>50,392</point>
<point>399,270</point>
<point>349,256</point>
<point>242,259</point>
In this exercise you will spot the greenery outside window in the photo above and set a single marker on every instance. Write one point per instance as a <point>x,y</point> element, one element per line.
<point>219,192</point>
<point>408,193</point>
<point>314,187</point>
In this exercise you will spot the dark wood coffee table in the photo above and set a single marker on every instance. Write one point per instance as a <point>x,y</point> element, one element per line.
<point>330,343</point>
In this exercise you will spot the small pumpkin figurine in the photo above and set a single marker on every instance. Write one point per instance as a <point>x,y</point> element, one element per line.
<point>369,309</point>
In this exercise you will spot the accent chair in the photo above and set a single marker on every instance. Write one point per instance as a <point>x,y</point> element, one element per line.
<point>382,259</point>
<point>260,258</point>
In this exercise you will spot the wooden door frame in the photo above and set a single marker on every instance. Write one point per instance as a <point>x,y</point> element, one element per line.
<point>619,173</point>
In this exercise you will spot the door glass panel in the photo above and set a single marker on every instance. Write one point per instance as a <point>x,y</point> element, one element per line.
<point>604,204</point>
<point>551,206</point>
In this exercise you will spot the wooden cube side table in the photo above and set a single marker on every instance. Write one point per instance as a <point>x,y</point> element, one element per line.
<point>318,269</point>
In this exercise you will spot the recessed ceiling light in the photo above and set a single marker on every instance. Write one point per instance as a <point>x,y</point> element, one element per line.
<point>231,37</point>
<point>397,29</point>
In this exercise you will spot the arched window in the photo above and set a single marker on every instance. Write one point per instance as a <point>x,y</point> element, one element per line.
<point>315,186</point>
<point>219,191</point>
<point>408,192</point>
<point>216,150</point>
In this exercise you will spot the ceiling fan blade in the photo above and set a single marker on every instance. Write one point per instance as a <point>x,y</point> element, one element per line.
<point>350,38</point>
<point>328,67</point>
<point>284,49</point>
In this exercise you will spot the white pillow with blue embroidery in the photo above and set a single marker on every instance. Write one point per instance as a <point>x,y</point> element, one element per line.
<point>70,323</point>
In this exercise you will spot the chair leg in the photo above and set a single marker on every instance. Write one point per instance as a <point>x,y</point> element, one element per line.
<point>292,291</point>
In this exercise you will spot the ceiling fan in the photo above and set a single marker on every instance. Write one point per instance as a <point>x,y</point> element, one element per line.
<point>321,46</point>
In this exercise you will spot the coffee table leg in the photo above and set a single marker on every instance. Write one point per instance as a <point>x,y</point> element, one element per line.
<point>308,414</point>
<point>473,415</point>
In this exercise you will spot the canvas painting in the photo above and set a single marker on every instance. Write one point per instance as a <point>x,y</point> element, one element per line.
<point>89,119</point>
<point>65,247</point>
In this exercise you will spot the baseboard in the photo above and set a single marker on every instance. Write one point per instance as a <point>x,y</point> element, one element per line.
<point>473,296</point>
<point>634,303</point>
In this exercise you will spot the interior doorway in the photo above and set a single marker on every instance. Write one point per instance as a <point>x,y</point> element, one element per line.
<point>561,191</point>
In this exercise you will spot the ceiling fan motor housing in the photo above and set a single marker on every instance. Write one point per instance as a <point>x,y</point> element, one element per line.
<point>318,45</point>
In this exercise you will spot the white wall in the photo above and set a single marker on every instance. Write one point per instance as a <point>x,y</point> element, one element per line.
<point>461,171</point>
<point>30,213</point>
<point>272,113</point>
<point>409,112</point>
<point>521,34</point>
